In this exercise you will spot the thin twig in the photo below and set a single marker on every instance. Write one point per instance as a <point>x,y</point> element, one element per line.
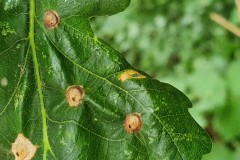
<point>238,7</point>
<point>225,23</point>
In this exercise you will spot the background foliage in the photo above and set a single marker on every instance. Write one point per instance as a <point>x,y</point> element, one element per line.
<point>176,42</point>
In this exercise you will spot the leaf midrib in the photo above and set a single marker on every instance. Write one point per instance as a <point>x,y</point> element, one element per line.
<point>46,144</point>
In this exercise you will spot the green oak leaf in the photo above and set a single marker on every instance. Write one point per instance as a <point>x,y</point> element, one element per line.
<point>38,64</point>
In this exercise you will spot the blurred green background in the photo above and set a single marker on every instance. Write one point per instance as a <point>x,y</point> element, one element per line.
<point>176,42</point>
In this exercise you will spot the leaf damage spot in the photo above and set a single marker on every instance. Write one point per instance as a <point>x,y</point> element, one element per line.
<point>75,95</point>
<point>130,74</point>
<point>23,149</point>
<point>22,69</point>
<point>6,29</point>
<point>4,82</point>
<point>51,19</point>
<point>10,4</point>
<point>18,99</point>
<point>133,123</point>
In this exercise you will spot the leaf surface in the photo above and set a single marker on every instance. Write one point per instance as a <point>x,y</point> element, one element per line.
<point>38,65</point>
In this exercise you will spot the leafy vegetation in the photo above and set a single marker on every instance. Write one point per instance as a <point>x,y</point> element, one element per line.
<point>66,94</point>
<point>177,42</point>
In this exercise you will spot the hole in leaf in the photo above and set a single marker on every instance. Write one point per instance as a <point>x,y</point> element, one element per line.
<point>51,19</point>
<point>75,95</point>
<point>133,123</point>
<point>23,149</point>
<point>74,99</point>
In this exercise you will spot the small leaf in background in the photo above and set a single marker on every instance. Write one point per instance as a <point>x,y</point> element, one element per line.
<point>227,121</point>
<point>207,87</point>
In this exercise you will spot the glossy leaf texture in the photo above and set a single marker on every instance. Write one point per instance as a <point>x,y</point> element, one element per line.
<point>36,71</point>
